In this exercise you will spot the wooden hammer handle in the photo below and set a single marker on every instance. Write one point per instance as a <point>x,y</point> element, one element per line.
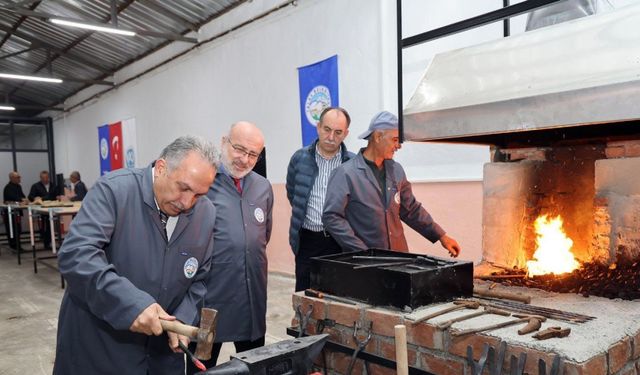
<point>502,295</point>
<point>179,328</point>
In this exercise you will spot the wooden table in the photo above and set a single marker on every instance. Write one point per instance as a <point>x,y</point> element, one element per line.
<point>51,212</point>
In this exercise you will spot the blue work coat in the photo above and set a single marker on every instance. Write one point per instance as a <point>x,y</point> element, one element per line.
<point>117,262</point>
<point>359,219</point>
<point>237,282</point>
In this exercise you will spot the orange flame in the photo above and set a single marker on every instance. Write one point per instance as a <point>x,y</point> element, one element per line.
<point>553,253</point>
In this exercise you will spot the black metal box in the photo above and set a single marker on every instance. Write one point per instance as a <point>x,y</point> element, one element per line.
<point>417,281</point>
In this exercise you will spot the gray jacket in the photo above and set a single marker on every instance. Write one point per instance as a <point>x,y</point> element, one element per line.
<point>356,216</point>
<point>237,282</point>
<point>117,262</point>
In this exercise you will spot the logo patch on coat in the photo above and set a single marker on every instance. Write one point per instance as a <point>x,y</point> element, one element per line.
<point>259,214</point>
<point>396,197</point>
<point>190,267</point>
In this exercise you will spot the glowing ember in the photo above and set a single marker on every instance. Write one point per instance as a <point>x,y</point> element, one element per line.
<point>553,253</point>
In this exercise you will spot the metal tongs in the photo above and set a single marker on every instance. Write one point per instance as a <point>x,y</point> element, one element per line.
<point>399,261</point>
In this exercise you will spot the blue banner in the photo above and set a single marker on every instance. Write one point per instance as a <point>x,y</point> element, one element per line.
<point>103,149</point>
<point>318,90</point>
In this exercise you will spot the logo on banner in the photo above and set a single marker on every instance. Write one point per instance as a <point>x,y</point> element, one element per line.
<point>115,144</point>
<point>318,99</point>
<point>104,148</point>
<point>190,267</point>
<point>130,158</point>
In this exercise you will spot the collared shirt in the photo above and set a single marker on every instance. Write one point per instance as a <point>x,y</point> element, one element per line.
<point>172,220</point>
<point>223,170</point>
<point>313,217</point>
<point>380,175</point>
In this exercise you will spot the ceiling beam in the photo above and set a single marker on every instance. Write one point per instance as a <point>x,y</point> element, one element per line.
<point>17,53</point>
<point>46,16</point>
<point>17,24</point>
<point>57,50</point>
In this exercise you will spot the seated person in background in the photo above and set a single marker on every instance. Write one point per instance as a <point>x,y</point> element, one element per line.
<point>43,189</point>
<point>77,186</point>
<point>13,193</point>
<point>78,189</point>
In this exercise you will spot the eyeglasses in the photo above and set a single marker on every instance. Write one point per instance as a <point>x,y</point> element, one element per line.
<point>243,151</point>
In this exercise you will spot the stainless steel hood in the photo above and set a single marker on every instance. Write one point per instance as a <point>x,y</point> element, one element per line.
<point>582,72</point>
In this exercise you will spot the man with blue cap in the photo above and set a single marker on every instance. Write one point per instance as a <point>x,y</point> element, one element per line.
<point>369,196</point>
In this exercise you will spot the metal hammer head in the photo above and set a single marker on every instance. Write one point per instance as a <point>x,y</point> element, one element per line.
<point>467,304</point>
<point>206,333</point>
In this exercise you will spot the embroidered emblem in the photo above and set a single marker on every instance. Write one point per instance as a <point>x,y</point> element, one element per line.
<point>259,214</point>
<point>396,197</point>
<point>190,267</point>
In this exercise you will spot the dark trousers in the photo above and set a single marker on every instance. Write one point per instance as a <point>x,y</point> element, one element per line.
<point>45,231</point>
<point>312,244</point>
<point>16,221</point>
<point>241,346</point>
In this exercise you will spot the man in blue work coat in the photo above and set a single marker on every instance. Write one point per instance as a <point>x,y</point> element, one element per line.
<point>137,252</point>
<point>369,196</point>
<point>237,282</point>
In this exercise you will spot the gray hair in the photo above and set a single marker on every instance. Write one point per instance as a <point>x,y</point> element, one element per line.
<point>178,149</point>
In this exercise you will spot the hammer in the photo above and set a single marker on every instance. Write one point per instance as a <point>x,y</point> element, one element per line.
<point>487,310</point>
<point>533,324</point>
<point>459,305</point>
<point>203,336</point>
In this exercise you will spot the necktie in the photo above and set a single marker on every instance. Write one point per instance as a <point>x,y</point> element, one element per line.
<point>163,220</point>
<point>236,181</point>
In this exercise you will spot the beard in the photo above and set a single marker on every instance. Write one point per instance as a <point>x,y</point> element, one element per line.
<point>233,170</point>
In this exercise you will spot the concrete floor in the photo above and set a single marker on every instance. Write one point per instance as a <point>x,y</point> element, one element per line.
<point>29,314</point>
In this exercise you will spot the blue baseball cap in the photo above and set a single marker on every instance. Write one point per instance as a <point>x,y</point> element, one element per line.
<point>382,121</point>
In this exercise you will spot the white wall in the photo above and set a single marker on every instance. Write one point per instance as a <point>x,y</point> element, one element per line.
<point>251,74</point>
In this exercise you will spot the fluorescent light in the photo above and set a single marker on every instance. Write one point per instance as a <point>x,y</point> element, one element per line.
<point>4,107</point>
<point>30,78</point>
<point>89,26</point>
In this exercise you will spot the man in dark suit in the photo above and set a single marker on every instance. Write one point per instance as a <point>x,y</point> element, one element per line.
<point>45,191</point>
<point>44,188</point>
<point>13,193</point>
<point>79,188</point>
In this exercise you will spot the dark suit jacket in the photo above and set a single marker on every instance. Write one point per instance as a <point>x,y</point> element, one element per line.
<point>38,190</point>
<point>12,193</point>
<point>80,190</point>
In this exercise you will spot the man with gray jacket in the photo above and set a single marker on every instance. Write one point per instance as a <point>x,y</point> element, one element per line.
<point>137,253</point>
<point>368,197</point>
<point>307,178</point>
<point>237,282</point>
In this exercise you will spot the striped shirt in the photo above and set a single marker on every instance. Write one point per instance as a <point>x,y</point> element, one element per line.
<point>313,217</point>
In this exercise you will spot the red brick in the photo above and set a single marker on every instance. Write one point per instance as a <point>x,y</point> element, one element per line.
<point>424,335</point>
<point>383,321</point>
<point>595,366</point>
<point>340,363</point>
<point>614,152</point>
<point>635,345</point>
<point>440,365</point>
<point>619,354</point>
<point>632,150</point>
<point>533,357</point>
<point>387,349</point>
<point>459,345</point>
<point>379,370</point>
<point>296,299</point>
<point>343,313</point>
<point>319,307</point>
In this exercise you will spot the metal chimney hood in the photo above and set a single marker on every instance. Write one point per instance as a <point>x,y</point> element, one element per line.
<point>578,77</point>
